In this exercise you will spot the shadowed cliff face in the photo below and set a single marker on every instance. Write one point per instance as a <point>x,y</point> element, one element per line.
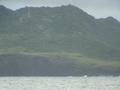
<point>21,65</point>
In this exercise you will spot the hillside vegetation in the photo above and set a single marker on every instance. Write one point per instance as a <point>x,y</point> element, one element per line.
<point>69,39</point>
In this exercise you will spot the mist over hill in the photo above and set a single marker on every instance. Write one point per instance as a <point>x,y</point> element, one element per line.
<point>65,30</point>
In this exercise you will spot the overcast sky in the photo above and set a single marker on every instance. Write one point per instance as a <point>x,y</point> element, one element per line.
<point>97,8</point>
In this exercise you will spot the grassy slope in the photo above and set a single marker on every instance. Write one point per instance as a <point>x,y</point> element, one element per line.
<point>77,57</point>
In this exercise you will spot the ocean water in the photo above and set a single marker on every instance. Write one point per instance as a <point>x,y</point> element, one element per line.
<point>60,83</point>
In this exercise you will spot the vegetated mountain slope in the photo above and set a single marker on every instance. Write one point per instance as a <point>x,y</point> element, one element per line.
<point>65,29</point>
<point>61,28</point>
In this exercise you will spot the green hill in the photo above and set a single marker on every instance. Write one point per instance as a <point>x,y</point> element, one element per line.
<point>66,32</point>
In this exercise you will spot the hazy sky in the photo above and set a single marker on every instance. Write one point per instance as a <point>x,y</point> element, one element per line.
<point>97,8</point>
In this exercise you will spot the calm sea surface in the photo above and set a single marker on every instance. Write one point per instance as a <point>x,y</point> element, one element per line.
<point>60,83</point>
